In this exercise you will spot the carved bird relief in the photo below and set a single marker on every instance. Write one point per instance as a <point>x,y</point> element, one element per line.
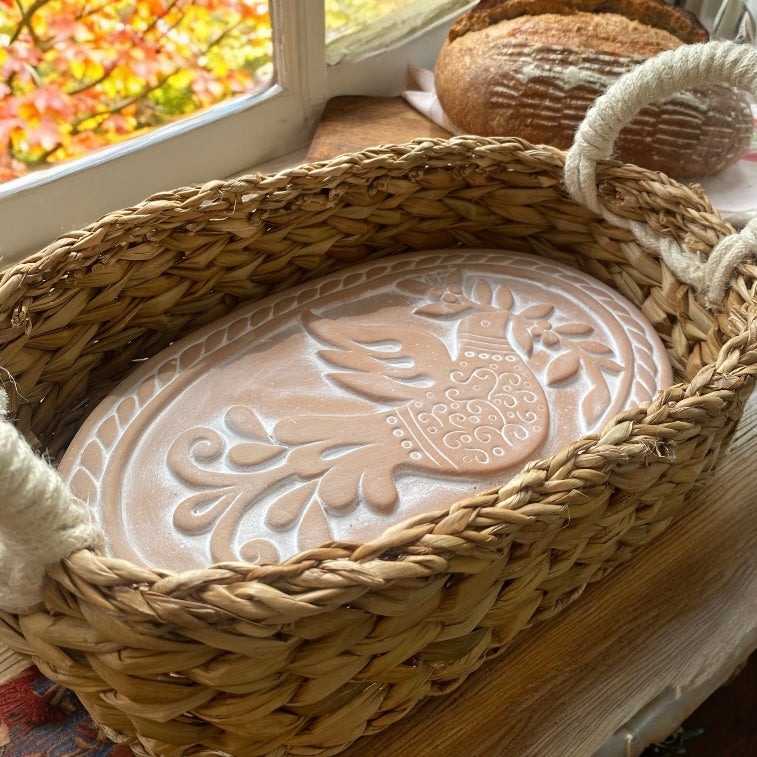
<point>470,407</point>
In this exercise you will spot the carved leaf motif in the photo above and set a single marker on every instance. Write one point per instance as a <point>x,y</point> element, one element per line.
<point>245,422</point>
<point>596,348</point>
<point>505,299</point>
<point>523,338</point>
<point>338,488</point>
<point>197,514</point>
<point>314,528</point>
<point>538,311</point>
<point>608,365</point>
<point>574,329</point>
<point>595,403</point>
<point>482,292</point>
<point>563,368</point>
<point>287,508</point>
<point>250,454</point>
<point>379,489</point>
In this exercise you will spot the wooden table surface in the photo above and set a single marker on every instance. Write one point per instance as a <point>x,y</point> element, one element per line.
<point>638,652</point>
<point>624,665</point>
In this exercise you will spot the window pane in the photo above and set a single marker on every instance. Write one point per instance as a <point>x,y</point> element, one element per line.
<point>78,75</point>
<point>358,27</point>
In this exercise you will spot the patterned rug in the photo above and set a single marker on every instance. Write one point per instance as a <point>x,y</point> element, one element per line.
<point>41,719</point>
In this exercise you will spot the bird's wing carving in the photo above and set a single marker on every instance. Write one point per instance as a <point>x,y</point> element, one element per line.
<point>381,363</point>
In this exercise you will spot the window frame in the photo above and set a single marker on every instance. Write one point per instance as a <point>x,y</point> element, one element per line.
<point>228,139</point>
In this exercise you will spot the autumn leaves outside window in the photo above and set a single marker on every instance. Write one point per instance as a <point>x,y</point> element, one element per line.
<point>77,75</point>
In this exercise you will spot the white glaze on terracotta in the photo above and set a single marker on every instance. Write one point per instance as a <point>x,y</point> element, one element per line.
<point>337,408</point>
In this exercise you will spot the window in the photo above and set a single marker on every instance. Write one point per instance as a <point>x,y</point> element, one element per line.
<point>356,28</point>
<point>369,57</point>
<point>78,75</point>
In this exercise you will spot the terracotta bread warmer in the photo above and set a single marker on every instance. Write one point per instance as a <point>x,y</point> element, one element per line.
<point>304,656</point>
<point>335,409</point>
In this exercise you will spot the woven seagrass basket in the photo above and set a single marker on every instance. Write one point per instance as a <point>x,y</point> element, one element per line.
<point>304,657</point>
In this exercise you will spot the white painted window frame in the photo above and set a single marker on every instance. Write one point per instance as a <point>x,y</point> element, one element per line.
<point>225,140</point>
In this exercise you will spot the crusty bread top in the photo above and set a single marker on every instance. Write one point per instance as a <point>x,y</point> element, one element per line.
<point>595,32</point>
<point>654,13</point>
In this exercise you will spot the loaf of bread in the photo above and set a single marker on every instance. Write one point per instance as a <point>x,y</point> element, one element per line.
<point>532,68</point>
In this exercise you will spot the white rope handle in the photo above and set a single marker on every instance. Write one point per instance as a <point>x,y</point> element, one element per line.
<point>686,67</point>
<point>40,520</point>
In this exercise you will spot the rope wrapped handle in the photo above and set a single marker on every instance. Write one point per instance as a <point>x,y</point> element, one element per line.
<point>41,522</point>
<point>683,68</point>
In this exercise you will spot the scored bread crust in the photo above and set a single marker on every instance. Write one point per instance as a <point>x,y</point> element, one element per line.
<point>656,13</point>
<point>591,32</point>
<point>535,76</point>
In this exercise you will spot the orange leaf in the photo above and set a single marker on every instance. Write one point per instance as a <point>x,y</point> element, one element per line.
<point>47,134</point>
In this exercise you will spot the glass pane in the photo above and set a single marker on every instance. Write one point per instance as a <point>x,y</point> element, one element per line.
<point>360,27</point>
<point>78,75</point>
<point>343,16</point>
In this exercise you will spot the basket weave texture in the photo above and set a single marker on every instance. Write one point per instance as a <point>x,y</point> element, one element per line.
<point>304,657</point>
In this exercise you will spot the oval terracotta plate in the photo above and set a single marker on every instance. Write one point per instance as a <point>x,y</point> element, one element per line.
<point>334,409</point>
